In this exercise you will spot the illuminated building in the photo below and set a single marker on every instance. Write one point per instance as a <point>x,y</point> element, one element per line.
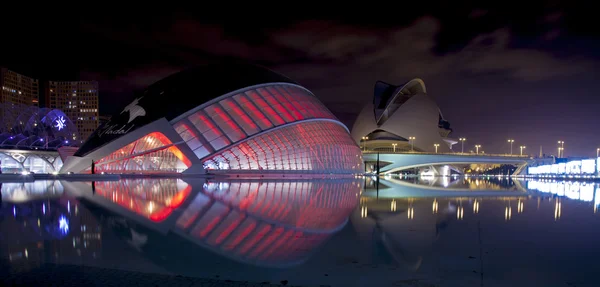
<point>402,118</point>
<point>228,118</point>
<point>18,93</point>
<point>79,101</point>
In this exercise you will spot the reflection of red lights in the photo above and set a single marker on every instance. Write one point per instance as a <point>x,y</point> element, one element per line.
<point>132,195</point>
<point>176,201</point>
<point>276,223</point>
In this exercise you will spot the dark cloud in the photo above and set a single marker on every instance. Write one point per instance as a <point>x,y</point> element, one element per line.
<point>486,65</point>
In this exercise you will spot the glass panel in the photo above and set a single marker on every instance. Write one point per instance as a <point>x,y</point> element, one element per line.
<point>309,146</point>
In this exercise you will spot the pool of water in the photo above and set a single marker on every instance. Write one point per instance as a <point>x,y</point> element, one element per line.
<point>336,232</point>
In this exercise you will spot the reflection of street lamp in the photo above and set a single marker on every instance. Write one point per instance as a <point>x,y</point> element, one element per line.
<point>561,149</point>
<point>412,143</point>
<point>511,142</point>
<point>522,147</point>
<point>436,146</point>
<point>462,143</point>
<point>477,148</point>
<point>365,143</point>
<point>394,145</point>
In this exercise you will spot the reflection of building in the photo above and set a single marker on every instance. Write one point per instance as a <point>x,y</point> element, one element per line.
<point>402,118</point>
<point>79,101</point>
<point>46,230</point>
<point>267,223</point>
<point>18,92</point>
<point>222,118</point>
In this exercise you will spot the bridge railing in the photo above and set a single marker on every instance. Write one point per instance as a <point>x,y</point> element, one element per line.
<point>446,153</point>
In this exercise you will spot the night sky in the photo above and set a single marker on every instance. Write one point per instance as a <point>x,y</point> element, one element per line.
<point>528,73</point>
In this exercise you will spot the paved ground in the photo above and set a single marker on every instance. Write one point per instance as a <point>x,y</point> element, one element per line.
<point>73,275</point>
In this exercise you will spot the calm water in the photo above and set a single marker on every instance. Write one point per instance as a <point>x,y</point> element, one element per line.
<point>351,232</point>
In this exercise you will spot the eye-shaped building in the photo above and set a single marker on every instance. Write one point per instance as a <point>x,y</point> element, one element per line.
<point>228,118</point>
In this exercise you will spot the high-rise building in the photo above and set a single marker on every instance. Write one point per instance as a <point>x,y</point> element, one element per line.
<point>78,100</point>
<point>18,93</point>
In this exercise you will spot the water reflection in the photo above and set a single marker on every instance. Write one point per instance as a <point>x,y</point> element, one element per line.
<point>267,223</point>
<point>412,229</point>
<point>39,224</point>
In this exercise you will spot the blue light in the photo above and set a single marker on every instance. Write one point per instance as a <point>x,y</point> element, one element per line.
<point>60,123</point>
<point>66,141</point>
<point>63,224</point>
<point>41,140</point>
<point>15,211</point>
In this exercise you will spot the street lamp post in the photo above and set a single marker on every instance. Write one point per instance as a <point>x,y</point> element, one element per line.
<point>597,152</point>
<point>522,147</point>
<point>412,143</point>
<point>462,144</point>
<point>477,148</point>
<point>436,146</point>
<point>511,141</point>
<point>365,143</point>
<point>394,145</point>
<point>561,149</point>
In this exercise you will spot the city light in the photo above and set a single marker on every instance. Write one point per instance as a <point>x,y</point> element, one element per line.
<point>436,147</point>
<point>412,143</point>
<point>522,147</point>
<point>511,141</point>
<point>477,148</point>
<point>394,145</point>
<point>462,144</point>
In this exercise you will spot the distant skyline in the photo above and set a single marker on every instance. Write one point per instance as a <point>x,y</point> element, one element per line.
<point>527,74</point>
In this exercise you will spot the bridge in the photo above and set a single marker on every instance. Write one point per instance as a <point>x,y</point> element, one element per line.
<point>390,162</point>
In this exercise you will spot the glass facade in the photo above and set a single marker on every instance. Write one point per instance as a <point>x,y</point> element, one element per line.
<point>316,146</point>
<point>279,127</point>
<point>224,134</point>
<point>151,153</point>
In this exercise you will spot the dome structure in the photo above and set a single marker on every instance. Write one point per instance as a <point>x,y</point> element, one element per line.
<point>229,117</point>
<point>36,128</point>
<point>402,118</point>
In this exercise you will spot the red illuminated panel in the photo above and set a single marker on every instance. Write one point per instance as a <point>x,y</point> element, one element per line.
<point>251,109</point>
<point>277,106</point>
<point>317,146</point>
<point>137,156</point>
<point>240,116</point>
<point>225,123</point>
<point>265,107</point>
<point>284,101</point>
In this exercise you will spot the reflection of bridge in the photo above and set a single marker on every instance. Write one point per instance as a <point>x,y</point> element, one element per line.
<point>393,162</point>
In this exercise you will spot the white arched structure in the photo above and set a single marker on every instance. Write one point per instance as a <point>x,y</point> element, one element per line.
<point>18,161</point>
<point>398,113</point>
